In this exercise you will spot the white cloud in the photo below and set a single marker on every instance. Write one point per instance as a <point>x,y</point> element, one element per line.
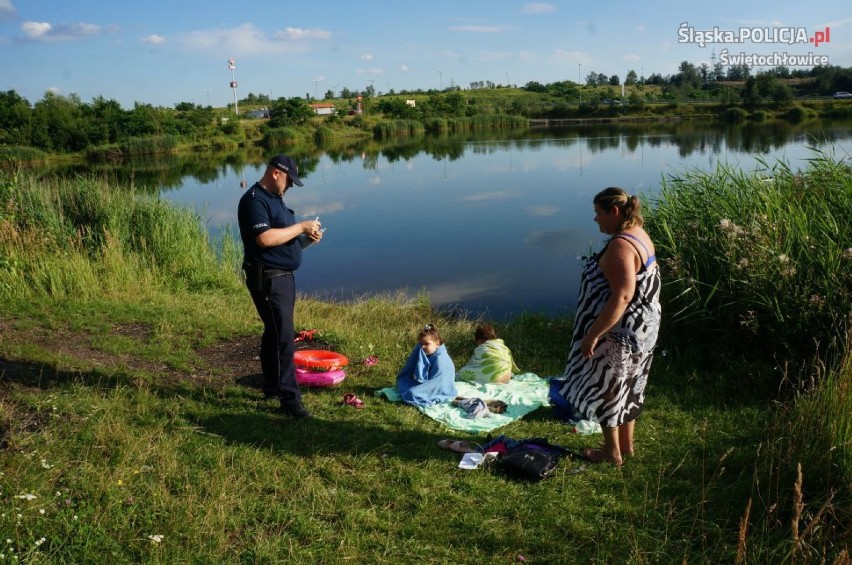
<point>366,57</point>
<point>7,10</point>
<point>370,71</point>
<point>44,31</point>
<point>246,39</point>
<point>296,34</point>
<point>403,68</point>
<point>154,39</point>
<point>538,8</point>
<point>631,58</point>
<point>486,196</point>
<point>562,56</point>
<point>542,210</point>
<point>479,28</point>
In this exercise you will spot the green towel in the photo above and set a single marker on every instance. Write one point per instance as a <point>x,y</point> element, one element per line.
<point>523,394</point>
<point>490,361</point>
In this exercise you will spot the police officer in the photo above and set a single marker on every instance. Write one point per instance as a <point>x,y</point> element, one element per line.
<point>273,241</point>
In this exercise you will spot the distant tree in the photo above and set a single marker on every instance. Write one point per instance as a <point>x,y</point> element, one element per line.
<point>601,79</point>
<point>738,72</point>
<point>106,121</point>
<point>397,108</point>
<point>750,93</point>
<point>292,111</point>
<point>58,123</point>
<point>346,93</point>
<point>592,79</point>
<point>782,94</point>
<point>631,78</point>
<point>533,86</point>
<point>329,94</point>
<point>15,119</point>
<point>614,80</point>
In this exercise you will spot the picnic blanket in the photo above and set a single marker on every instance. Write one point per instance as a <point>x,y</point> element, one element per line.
<point>523,394</point>
<point>490,361</point>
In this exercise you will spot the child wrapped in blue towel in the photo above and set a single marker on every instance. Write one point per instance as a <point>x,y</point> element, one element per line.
<point>428,376</point>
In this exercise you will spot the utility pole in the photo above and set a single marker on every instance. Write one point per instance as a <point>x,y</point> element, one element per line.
<point>207,90</point>
<point>232,67</point>
<point>441,79</point>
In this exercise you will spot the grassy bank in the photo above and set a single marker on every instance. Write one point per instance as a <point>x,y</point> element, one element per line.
<point>129,410</point>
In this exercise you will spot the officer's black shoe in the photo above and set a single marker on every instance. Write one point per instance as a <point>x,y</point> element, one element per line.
<point>295,411</point>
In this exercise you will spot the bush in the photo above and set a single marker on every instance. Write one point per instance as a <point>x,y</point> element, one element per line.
<point>758,116</point>
<point>281,136</point>
<point>796,114</point>
<point>735,115</point>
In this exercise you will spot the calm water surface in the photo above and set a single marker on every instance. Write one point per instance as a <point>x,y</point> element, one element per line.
<point>492,227</point>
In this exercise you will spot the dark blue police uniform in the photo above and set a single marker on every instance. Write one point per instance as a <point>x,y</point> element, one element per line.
<point>274,293</point>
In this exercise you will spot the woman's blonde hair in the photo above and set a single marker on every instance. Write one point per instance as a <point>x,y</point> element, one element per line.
<point>629,206</point>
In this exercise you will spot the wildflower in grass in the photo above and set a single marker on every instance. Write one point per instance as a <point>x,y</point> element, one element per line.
<point>156,538</point>
<point>41,511</point>
<point>40,541</point>
<point>120,482</point>
<point>45,464</point>
<point>783,259</point>
<point>26,496</point>
<point>847,253</point>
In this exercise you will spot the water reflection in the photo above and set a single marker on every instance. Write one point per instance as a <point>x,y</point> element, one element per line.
<point>492,224</point>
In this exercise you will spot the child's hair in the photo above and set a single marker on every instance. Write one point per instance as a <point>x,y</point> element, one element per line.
<point>496,406</point>
<point>484,332</point>
<point>431,331</point>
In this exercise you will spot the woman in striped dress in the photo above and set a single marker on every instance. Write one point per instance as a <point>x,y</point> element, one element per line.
<point>616,326</point>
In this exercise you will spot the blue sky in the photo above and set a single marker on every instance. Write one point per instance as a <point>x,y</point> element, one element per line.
<point>164,52</point>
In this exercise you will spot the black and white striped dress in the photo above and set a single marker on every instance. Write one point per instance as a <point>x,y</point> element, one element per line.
<point>609,388</point>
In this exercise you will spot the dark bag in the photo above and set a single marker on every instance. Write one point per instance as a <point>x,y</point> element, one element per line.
<point>529,462</point>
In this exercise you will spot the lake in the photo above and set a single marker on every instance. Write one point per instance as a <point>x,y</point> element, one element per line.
<point>491,225</point>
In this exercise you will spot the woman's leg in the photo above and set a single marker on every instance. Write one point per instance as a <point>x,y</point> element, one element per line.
<point>625,437</point>
<point>610,451</point>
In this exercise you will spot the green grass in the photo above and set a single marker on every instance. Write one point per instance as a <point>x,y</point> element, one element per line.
<point>122,424</point>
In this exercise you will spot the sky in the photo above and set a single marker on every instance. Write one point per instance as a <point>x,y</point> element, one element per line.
<point>163,52</point>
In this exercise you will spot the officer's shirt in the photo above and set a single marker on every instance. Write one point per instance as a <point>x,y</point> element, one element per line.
<point>259,211</point>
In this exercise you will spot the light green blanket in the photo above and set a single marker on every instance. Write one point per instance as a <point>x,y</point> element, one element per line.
<point>490,361</point>
<point>523,394</point>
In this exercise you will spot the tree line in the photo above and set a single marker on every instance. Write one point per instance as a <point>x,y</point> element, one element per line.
<point>66,124</point>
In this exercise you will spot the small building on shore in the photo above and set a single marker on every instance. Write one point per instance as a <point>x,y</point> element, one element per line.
<point>323,108</point>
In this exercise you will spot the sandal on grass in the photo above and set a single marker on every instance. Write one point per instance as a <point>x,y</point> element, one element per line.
<point>460,446</point>
<point>352,400</point>
<point>371,360</point>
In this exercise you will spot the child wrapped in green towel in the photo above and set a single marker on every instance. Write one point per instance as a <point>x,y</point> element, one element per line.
<point>491,361</point>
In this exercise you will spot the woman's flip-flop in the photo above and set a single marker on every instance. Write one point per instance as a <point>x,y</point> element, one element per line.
<point>352,400</point>
<point>460,446</point>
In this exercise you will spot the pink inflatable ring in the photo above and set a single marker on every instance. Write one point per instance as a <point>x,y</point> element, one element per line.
<point>319,378</point>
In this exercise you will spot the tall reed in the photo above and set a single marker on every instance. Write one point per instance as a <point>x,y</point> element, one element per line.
<point>87,238</point>
<point>761,259</point>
